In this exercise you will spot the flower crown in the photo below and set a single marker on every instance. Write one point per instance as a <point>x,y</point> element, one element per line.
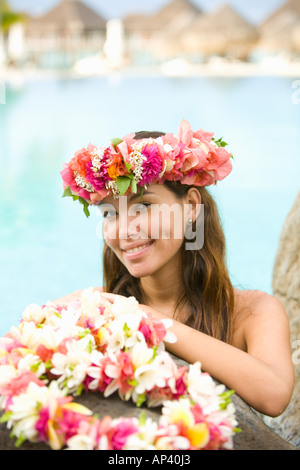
<point>193,158</point>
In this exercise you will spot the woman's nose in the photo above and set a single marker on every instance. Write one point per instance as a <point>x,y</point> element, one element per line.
<point>129,227</point>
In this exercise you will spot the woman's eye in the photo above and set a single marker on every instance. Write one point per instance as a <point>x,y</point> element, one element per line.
<point>141,206</point>
<point>109,214</point>
<point>107,211</point>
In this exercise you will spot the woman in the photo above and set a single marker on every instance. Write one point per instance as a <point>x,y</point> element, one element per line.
<point>240,337</point>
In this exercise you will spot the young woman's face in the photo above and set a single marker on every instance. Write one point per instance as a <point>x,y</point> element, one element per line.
<point>146,235</point>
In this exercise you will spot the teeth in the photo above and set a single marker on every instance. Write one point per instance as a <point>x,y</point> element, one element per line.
<point>139,248</point>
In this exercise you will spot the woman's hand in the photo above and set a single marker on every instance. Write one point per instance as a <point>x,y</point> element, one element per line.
<point>149,310</point>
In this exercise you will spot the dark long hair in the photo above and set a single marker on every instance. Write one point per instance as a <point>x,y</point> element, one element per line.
<point>208,296</point>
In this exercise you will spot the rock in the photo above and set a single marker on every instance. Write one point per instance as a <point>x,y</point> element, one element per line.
<point>255,434</point>
<point>286,287</point>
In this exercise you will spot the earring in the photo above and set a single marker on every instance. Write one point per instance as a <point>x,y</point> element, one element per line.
<point>190,221</point>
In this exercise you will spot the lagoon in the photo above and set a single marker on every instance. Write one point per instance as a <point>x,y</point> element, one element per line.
<point>48,247</point>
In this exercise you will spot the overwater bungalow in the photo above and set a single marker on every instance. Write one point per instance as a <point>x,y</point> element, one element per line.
<point>68,32</point>
<point>280,33</point>
<point>153,37</point>
<point>223,32</point>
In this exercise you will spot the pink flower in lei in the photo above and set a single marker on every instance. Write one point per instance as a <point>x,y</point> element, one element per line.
<point>122,431</point>
<point>124,371</point>
<point>19,384</point>
<point>153,330</point>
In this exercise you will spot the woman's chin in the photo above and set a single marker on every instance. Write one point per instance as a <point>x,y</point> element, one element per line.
<point>140,272</point>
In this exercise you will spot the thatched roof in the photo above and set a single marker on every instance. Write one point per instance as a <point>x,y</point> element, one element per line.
<point>71,15</point>
<point>281,31</point>
<point>172,16</point>
<point>136,22</point>
<point>215,32</point>
<point>175,10</point>
<point>290,6</point>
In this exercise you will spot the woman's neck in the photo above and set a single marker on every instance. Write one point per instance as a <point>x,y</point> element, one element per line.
<point>161,289</point>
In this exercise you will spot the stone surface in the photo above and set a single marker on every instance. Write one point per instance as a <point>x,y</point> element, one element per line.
<point>255,434</point>
<point>286,287</point>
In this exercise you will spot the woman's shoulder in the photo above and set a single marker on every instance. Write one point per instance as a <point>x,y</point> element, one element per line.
<point>256,311</point>
<point>255,302</point>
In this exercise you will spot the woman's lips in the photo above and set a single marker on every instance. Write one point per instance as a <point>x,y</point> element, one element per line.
<point>134,251</point>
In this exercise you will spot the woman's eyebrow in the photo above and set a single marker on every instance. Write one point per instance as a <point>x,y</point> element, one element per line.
<point>132,198</point>
<point>136,196</point>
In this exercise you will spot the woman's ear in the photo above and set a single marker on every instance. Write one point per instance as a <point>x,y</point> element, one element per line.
<point>193,199</point>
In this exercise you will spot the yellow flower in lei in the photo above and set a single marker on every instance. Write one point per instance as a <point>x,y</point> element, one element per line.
<point>198,435</point>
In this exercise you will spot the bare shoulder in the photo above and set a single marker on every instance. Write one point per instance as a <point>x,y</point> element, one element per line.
<point>257,313</point>
<point>255,302</point>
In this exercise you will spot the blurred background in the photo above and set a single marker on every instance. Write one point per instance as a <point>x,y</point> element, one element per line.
<point>75,72</point>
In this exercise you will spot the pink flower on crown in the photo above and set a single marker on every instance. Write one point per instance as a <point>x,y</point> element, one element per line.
<point>152,166</point>
<point>68,178</point>
<point>96,179</point>
<point>220,163</point>
<point>204,162</point>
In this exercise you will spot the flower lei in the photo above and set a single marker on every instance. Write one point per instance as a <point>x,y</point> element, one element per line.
<point>193,158</point>
<point>93,345</point>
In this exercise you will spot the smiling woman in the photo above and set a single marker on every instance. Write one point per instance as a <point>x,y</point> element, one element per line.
<point>215,323</point>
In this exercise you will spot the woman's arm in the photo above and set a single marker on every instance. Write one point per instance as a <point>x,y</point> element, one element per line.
<point>74,296</point>
<point>263,375</point>
<point>68,298</point>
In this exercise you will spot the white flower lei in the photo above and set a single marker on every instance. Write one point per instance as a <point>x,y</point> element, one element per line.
<point>97,346</point>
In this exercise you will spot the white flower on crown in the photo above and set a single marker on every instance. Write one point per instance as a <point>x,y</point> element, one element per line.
<point>97,157</point>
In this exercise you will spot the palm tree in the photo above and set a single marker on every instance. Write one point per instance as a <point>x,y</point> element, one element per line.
<point>8,17</point>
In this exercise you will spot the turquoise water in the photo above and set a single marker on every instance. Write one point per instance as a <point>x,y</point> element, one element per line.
<point>47,246</point>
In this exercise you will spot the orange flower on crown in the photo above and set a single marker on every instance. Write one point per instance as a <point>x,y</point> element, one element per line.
<point>112,172</point>
<point>81,158</point>
<point>117,167</point>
